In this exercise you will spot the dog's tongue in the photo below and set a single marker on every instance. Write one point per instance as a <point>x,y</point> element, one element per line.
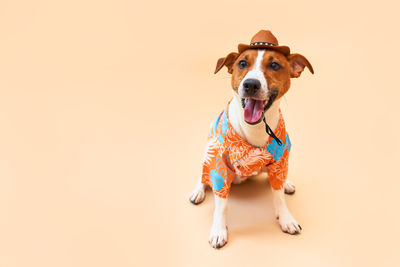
<point>253,110</point>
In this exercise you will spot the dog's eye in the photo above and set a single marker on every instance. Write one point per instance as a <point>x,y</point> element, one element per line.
<point>275,66</point>
<point>242,64</point>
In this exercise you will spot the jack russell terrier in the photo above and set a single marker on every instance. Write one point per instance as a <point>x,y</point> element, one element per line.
<point>241,142</point>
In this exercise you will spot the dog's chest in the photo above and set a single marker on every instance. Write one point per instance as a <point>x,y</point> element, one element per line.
<point>253,134</point>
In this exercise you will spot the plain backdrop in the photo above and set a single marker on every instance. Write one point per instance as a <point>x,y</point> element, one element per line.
<point>105,108</point>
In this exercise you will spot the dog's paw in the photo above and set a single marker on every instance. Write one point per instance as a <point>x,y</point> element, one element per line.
<point>290,188</point>
<point>218,237</point>
<point>198,194</point>
<point>289,224</point>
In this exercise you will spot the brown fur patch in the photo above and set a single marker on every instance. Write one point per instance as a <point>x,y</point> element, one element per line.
<point>238,74</point>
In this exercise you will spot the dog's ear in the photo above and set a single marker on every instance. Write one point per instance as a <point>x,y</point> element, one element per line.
<point>298,63</point>
<point>226,61</point>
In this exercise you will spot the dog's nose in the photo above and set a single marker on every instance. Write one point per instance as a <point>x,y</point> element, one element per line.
<point>251,86</point>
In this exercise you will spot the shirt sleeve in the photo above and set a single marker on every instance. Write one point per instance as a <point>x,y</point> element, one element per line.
<point>216,171</point>
<point>277,171</point>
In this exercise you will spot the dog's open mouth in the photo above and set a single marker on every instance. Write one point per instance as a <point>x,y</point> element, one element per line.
<point>254,109</point>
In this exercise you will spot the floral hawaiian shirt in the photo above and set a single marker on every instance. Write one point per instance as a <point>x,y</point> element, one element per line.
<point>227,155</point>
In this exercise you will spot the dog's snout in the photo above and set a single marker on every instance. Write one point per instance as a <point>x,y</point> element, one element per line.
<point>251,86</point>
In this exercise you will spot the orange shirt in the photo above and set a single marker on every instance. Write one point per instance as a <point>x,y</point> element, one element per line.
<point>228,154</point>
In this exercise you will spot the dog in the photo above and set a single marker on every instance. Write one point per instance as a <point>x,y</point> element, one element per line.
<point>241,142</point>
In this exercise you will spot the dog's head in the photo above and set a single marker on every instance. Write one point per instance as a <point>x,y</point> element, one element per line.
<point>260,77</point>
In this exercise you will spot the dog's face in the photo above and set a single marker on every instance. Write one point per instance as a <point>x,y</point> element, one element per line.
<point>259,77</point>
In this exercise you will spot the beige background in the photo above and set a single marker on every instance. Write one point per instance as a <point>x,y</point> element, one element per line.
<point>105,107</point>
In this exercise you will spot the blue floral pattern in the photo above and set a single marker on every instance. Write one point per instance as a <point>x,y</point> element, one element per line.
<point>217,180</point>
<point>277,150</point>
<point>224,127</point>
<point>214,125</point>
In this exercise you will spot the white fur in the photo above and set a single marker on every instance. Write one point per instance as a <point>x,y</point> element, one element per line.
<point>198,194</point>
<point>219,231</point>
<point>287,222</point>
<point>238,179</point>
<point>256,73</point>
<point>289,187</point>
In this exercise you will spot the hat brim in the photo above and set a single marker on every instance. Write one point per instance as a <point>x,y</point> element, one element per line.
<point>282,49</point>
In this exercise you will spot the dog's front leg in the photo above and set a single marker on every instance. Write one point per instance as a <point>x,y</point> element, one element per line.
<point>219,232</point>
<point>287,222</point>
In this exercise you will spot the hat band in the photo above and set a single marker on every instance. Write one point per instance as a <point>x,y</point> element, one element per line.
<point>263,43</point>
